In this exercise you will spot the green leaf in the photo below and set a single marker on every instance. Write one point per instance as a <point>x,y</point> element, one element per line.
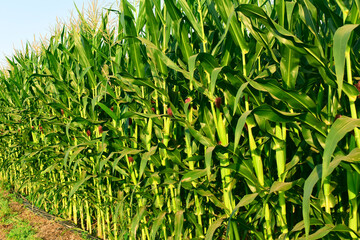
<point>344,228</point>
<point>226,9</point>
<point>208,158</point>
<point>239,127</point>
<point>341,38</point>
<point>173,11</point>
<point>293,98</point>
<point>135,223</point>
<point>351,91</point>
<point>284,36</point>
<point>313,122</point>
<point>352,157</point>
<point>308,187</point>
<point>341,126</point>
<point>239,94</point>
<point>211,196</point>
<point>317,174</point>
<point>166,60</point>
<point>199,137</point>
<point>272,114</point>
<point>192,65</point>
<point>284,186</point>
<point>289,67</point>
<point>179,222</point>
<point>211,230</point>
<point>192,175</point>
<point>246,171</point>
<point>246,200</point>
<point>214,76</point>
<point>188,13</point>
<point>78,184</point>
<point>127,151</point>
<point>108,111</point>
<point>84,51</point>
<point>157,223</point>
<point>145,157</point>
<point>322,232</point>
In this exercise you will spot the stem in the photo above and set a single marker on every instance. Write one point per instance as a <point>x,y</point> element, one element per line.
<point>352,177</point>
<point>280,149</point>
<point>258,166</point>
<point>88,217</point>
<point>223,137</point>
<point>98,210</point>
<point>188,143</point>
<point>327,187</point>
<point>353,189</point>
<point>224,162</point>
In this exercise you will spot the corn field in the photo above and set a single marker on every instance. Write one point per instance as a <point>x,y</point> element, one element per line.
<point>191,120</point>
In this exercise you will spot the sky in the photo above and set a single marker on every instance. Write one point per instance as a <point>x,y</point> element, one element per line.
<point>21,20</point>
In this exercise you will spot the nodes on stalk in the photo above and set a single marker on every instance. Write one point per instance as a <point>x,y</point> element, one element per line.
<point>62,112</point>
<point>41,129</point>
<point>169,112</point>
<point>357,85</point>
<point>218,102</point>
<point>112,108</point>
<point>188,100</point>
<point>88,133</point>
<point>101,129</point>
<point>130,121</point>
<point>337,116</point>
<point>130,159</point>
<point>153,109</point>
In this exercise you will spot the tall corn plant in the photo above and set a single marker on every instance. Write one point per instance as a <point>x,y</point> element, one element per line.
<point>191,119</point>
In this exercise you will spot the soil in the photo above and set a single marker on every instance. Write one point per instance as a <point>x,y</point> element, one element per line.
<point>45,229</point>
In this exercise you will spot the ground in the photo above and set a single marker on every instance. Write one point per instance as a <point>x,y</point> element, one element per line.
<point>19,223</point>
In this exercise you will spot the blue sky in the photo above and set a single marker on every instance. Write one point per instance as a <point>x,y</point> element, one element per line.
<point>20,20</point>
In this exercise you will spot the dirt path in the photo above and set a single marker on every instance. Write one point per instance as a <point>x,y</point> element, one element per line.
<point>19,223</point>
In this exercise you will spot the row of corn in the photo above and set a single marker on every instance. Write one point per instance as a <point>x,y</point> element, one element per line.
<point>191,120</point>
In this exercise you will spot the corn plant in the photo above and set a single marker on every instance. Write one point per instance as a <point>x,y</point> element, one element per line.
<point>191,120</point>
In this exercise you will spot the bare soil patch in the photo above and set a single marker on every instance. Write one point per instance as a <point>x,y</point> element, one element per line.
<point>4,229</point>
<point>45,229</point>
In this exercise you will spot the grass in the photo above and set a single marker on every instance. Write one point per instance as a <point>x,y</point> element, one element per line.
<point>20,229</point>
<point>4,208</point>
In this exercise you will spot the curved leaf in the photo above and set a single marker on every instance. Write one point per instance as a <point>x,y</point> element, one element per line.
<point>341,38</point>
<point>211,230</point>
<point>342,126</point>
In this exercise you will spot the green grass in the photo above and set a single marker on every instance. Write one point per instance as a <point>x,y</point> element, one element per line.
<point>20,230</point>
<point>5,209</point>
